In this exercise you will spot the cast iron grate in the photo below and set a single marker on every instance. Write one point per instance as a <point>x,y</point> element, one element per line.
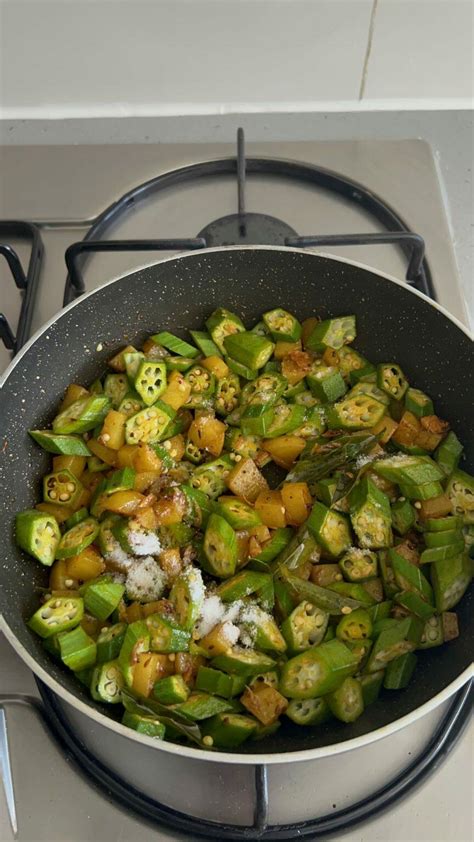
<point>26,282</point>
<point>242,228</point>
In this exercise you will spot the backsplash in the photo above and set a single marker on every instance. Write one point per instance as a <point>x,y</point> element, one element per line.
<point>126,58</point>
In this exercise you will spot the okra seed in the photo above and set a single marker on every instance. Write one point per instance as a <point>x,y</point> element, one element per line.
<point>417,504</point>
<point>69,583</point>
<point>64,496</point>
<point>208,741</point>
<point>46,614</point>
<point>346,609</point>
<point>57,604</point>
<point>53,495</point>
<point>105,437</point>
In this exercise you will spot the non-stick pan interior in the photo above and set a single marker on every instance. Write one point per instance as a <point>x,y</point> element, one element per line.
<point>392,324</point>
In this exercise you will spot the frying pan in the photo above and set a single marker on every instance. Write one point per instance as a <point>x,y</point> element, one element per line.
<point>393,323</point>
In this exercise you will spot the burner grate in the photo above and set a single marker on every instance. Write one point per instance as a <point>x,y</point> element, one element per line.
<point>26,283</point>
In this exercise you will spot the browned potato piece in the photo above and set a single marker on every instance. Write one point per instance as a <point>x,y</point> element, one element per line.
<point>246,481</point>
<point>264,702</point>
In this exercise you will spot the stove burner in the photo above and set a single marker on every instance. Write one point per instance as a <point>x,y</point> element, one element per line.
<point>248,229</point>
<point>242,228</point>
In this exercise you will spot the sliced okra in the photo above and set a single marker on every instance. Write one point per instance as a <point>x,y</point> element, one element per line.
<point>150,424</point>
<point>82,415</point>
<point>222,323</point>
<point>308,711</point>
<point>62,488</point>
<point>332,333</point>
<point>392,380</point>
<point>226,397</point>
<point>58,614</point>
<point>248,349</point>
<point>38,534</point>
<point>318,671</point>
<point>175,344</point>
<point>171,690</point>
<point>166,636</point>
<point>116,386</point>
<point>146,725</point>
<point>109,642</point>
<point>78,650</point>
<point>76,539</point>
<point>60,444</point>
<point>102,596</point>
<point>282,326</point>
<point>150,381</point>
<point>370,515</point>
<point>305,627</point>
<point>220,547</point>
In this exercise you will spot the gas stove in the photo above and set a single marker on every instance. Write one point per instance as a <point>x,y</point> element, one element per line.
<point>83,215</point>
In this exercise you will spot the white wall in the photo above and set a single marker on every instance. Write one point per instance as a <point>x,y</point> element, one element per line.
<point>86,58</point>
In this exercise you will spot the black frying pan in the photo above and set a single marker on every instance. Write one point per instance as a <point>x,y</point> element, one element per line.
<point>393,323</point>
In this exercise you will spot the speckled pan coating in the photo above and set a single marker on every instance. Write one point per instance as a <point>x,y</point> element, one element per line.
<point>393,324</point>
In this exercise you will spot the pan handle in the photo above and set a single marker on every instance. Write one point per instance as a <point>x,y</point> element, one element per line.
<point>75,282</point>
<point>412,244</point>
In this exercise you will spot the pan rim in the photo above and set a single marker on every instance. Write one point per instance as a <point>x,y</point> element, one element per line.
<point>196,753</point>
<point>190,254</point>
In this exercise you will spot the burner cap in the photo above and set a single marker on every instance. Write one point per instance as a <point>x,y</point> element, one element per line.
<point>251,229</point>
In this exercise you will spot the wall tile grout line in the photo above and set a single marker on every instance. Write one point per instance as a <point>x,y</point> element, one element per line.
<point>370,37</point>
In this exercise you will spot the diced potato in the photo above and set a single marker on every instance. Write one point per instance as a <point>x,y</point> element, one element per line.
<point>86,565</point>
<point>107,455</point>
<point>144,479</point>
<point>169,510</point>
<point>158,606</point>
<point>92,625</point>
<point>61,513</point>
<point>307,328</point>
<point>331,357</point>
<point>216,641</point>
<point>281,349</point>
<point>188,666</point>
<point>295,366</point>
<point>145,518</point>
<point>75,464</point>
<point>384,429</point>
<point>246,481</point>
<point>264,702</point>
<point>216,366</point>
<point>297,502</point>
<point>145,458</point>
<point>126,455</point>
<point>284,450</point>
<point>407,430</point>
<point>132,612</point>
<point>83,500</point>
<point>177,391</point>
<point>261,533</point>
<point>208,434</point>
<point>73,393</point>
<point>269,505</point>
<point>176,447</point>
<point>123,502</point>
<point>171,563</point>
<point>243,544</point>
<point>117,362</point>
<point>150,667</point>
<point>112,434</point>
<point>58,576</point>
<point>435,507</point>
<point>408,550</point>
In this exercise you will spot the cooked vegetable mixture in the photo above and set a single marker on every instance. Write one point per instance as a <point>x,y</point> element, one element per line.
<point>252,525</point>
